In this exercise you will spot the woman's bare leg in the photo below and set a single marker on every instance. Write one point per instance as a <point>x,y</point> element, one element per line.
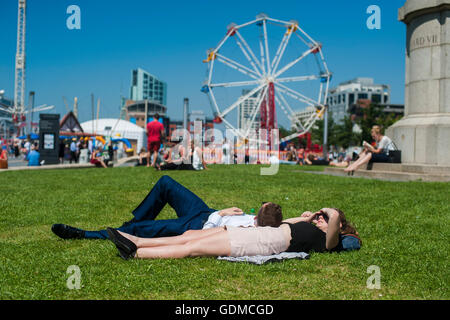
<point>361,161</point>
<point>175,240</point>
<point>352,166</point>
<point>215,244</point>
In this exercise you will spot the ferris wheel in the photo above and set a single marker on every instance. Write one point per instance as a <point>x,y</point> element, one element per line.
<point>264,65</point>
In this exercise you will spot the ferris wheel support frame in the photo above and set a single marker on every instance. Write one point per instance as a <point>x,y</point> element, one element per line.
<point>266,76</point>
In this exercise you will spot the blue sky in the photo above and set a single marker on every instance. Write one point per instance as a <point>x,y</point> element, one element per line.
<point>170,38</point>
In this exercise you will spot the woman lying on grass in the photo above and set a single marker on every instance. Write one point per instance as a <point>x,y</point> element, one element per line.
<point>323,231</point>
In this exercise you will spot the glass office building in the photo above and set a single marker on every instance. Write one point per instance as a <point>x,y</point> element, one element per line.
<point>346,94</point>
<point>145,86</point>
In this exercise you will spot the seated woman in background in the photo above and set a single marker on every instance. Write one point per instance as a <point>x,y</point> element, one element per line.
<point>142,157</point>
<point>4,158</point>
<point>97,158</point>
<point>379,153</point>
<point>324,231</point>
<point>191,159</point>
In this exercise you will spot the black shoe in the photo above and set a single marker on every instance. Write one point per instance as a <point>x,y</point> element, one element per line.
<point>127,248</point>
<point>67,232</point>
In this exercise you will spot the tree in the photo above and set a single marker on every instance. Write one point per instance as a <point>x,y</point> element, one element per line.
<point>344,135</point>
<point>318,129</point>
<point>374,115</point>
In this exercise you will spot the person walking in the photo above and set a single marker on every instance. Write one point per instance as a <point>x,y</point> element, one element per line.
<point>155,135</point>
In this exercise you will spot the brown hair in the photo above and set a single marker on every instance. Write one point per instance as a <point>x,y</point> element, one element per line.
<point>376,129</point>
<point>347,228</point>
<point>269,215</point>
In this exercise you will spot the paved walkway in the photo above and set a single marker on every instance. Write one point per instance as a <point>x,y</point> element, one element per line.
<point>19,164</point>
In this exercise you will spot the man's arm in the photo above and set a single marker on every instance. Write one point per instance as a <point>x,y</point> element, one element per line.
<point>215,218</point>
<point>231,212</point>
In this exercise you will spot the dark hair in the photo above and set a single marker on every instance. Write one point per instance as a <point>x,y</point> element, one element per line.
<point>156,116</point>
<point>269,215</point>
<point>347,227</point>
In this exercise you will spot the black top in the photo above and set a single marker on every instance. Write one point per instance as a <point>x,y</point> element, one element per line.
<point>306,237</point>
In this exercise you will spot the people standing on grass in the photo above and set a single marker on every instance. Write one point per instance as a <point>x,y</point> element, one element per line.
<point>155,136</point>
<point>73,151</point>
<point>61,151</point>
<point>226,152</point>
<point>16,149</point>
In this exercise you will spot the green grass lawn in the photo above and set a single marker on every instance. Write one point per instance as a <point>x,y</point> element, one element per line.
<point>404,227</point>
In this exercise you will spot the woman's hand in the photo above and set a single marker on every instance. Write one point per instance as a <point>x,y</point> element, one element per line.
<point>308,216</point>
<point>231,212</point>
<point>329,212</point>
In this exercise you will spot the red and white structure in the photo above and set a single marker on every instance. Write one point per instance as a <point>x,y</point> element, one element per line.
<point>266,57</point>
<point>18,111</point>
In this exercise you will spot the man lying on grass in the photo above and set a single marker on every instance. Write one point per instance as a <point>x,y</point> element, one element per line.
<point>324,231</point>
<point>192,212</point>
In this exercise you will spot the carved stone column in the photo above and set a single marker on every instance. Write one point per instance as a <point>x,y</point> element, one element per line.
<point>423,134</point>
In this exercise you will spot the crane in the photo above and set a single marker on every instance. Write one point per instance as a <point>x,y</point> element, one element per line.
<point>18,110</point>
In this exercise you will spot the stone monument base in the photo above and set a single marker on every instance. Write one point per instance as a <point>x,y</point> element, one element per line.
<point>423,139</point>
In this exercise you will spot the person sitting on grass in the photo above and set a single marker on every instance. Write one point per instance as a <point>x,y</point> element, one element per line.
<point>97,158</point>
<point>340,162</point>
<point>142,157</point>
<point>33,157</point>
<point>191,160</point>
<point>324,231</point>
<point>4,158</point>
<point>192,213</point>
<point>313,159</point>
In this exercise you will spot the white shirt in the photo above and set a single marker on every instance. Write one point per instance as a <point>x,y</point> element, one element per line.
<point>216,220</point>
<point>226,149</point>
<point>197,161</point>
<point>385,144</point>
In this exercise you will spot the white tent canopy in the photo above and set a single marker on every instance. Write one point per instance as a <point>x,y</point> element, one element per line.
<point>114,128</point>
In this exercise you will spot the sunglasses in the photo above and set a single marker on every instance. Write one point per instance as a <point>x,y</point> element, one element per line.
<point>324,216</point>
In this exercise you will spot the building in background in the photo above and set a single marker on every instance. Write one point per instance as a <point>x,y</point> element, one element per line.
<point>143,111</point>
<point>245,110</point>
<point>346,94</point>
<point>148,96</point>
<point>145,86</point>
<point>6,124</point>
